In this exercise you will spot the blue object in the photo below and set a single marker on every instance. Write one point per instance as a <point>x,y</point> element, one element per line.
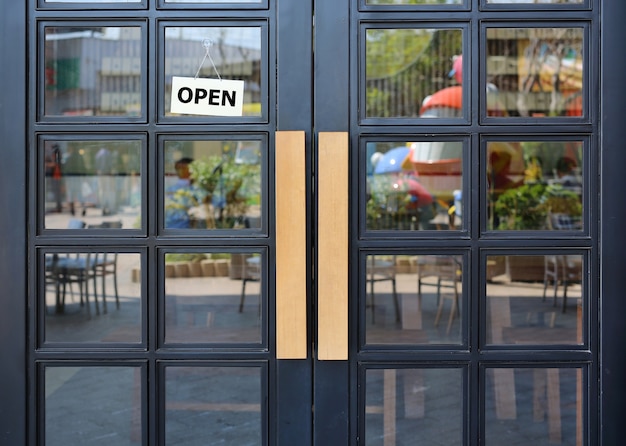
<point>391,161</point>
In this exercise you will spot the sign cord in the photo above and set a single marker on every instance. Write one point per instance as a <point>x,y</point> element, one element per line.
<point>207,43</point>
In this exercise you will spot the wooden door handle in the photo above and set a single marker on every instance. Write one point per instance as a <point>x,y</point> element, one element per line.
<point>332,236</point>
<point>291,277</point>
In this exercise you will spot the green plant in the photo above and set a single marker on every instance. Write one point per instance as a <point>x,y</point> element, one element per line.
<point>527,207</point>
<point>227,185</point>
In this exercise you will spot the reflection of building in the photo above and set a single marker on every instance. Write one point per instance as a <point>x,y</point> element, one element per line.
<point>98,71</point>
<point>529,72</point>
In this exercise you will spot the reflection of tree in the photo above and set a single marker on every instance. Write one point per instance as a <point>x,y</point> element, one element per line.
<point>403,66</point>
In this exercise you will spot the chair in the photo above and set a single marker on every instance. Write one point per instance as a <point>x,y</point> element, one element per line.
<point>105,264</point>
<point>447,271</point>
<point>380,270</point>
<point>250,271</point>
<point>566,269</point>
<point>68,269</point>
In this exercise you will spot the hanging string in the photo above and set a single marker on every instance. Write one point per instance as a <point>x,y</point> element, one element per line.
<point>207,44</point>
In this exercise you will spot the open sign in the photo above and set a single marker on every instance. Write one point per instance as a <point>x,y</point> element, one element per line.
<point>201,96</point>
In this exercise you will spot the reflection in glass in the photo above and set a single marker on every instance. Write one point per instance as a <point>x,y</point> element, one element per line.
<point>414,185</point>
<point>413,299</point>
<point>539,406</point>
<point>213,184</point>
<point>541,2</point>
<point>412,72</point>
<point>414,2</point>
<point>535,185</point>
<point>213,1</point>
<point>92,405</point>
<point>402,405</point>
<point>92,1</point>
<point>92,297</point>
<point>235,53</point>
<point>93,71</point>
<point>534,299</point>
<point>213,298</point>
<point>95,184</point>
<point>537,72</point>
<point>213,405</point>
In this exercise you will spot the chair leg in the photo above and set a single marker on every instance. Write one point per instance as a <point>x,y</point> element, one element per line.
<point>243,294</point>
<point>395,299</point>
<point>104,291</point>
<point>117,296</point>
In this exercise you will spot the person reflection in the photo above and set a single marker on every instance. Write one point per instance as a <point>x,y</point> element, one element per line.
<point>500,179</point>
<point>180,197</point>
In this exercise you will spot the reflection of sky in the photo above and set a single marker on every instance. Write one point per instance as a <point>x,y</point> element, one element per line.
<point>245,36</point>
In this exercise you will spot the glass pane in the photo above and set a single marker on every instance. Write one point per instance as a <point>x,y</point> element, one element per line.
<point>93,297</point>
<point>233,53</point>
<point>539,406</point>
<point>213,405</point>
<point>213,184</point>
<point>93,71</point>
<point>92,1</point>
<point>414,2</point>
<point>534,299</point>
<point>92,184</point>
<point>403,405</point>
<point>414,185</point>
<point>97,406</point>
<point>213,297</point>
<point>413,73</point>
<point>536,72</point>
<point>535,185</point>
<point>413,299</point>
<point>540,2</point>
<point>213,1</point>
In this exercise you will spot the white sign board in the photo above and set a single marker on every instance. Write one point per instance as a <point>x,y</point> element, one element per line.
<point>202,96</point>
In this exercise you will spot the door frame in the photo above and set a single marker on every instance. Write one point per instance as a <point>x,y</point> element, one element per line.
<point>14,261</point>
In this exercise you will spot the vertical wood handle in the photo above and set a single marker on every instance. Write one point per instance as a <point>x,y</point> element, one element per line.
<point>332,235</point>
<point>291,277</point>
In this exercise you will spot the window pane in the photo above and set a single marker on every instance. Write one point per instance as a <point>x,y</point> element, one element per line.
<point>535,185</point>
<point>536,72</point>
<point>414,185</point>
<point>541,2</point>
<point>217,53</point>
<point>93,71</point>
<point>414,2</point>
<point>213,405</point>
<point>535,299</point>
<point>94,184</point>
<point>413,299</point>
<point>92,297</point>
<point>213,184</point>
<point>92,1</point>
<point>213,297</point>
<point>213,1</point>
<point>403,405</point>
<point>408,73</point>
<point>93,405</point>
<point>538,406</point>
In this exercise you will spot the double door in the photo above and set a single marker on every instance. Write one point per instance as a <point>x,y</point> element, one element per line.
<point>396,239</point>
